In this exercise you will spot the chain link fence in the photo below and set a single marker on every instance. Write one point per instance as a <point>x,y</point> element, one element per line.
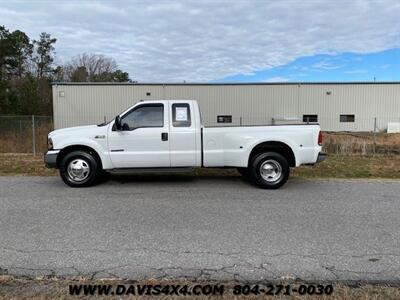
<point>348,134</point>
<point>24,134</point>
<point>361,143</point>
<point>28,134</point>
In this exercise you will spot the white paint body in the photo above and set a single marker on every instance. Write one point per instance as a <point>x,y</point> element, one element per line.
<point>192,146</point>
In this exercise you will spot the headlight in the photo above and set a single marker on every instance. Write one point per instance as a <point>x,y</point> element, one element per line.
<point>49,144</point>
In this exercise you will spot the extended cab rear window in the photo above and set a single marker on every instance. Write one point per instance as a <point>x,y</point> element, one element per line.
<point>181,115</point>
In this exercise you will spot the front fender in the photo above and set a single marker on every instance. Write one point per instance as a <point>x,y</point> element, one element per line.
<point>100,147</point>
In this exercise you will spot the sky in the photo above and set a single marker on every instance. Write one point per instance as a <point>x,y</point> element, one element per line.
<point>223,41</point>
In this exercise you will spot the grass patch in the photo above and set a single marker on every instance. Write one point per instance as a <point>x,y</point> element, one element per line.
<point>352,167</point>
<point>55,288</point>
<point>16,134</point>
<point>24,165</point>
<point>361,143</point>
<point>336,166</point>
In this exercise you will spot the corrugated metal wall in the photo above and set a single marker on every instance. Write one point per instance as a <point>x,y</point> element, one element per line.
<point>80,104</point>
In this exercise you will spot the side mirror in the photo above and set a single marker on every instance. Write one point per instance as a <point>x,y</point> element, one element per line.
<point>117,123</point>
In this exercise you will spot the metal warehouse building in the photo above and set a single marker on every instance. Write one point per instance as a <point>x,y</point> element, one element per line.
<point>346,106</point>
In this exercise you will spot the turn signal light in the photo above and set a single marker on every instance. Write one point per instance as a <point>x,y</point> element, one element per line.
<point>49,144</point>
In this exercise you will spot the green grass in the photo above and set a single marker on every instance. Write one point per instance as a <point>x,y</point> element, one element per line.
<point>353,167</point>
<point>334,167</point>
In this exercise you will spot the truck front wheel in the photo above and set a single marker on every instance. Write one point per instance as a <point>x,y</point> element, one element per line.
<point>269,170</point>
<point>79,169</point>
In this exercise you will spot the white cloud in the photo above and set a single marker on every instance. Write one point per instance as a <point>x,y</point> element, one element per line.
<point>325,65</point>
<point>384,66</point>
<point>276,79</point>
<point>205,40</point>
<point>356,71</point>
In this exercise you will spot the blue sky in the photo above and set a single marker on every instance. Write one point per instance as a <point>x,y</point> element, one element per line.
<point>381,66</point>
<point>222,40</point>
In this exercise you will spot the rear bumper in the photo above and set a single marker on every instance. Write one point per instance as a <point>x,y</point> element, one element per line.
<point>321,157</point>
<point>50,158</point>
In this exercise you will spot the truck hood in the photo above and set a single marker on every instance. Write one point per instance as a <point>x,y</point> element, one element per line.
<point>81,131</point>
<point>71,130</point>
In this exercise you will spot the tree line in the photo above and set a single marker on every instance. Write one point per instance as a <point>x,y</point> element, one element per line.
<point>27,69</point>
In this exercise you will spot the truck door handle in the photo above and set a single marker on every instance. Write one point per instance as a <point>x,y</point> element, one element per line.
<point>164,136</point>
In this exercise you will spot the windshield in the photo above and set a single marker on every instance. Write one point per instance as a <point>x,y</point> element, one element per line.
<point>122,114</point>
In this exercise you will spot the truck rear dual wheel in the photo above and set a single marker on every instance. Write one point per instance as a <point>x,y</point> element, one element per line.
<point>269,170</point>
<point>79,169</point>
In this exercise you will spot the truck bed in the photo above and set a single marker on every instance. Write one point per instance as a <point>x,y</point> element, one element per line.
<point>231,145</point>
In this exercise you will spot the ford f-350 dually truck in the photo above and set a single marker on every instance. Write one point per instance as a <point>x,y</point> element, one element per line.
<point>169,135</point>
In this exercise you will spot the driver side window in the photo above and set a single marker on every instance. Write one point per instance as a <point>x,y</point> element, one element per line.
<point>146,115</point>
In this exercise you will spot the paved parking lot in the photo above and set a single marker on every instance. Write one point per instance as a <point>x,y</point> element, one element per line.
<point>201,228</point>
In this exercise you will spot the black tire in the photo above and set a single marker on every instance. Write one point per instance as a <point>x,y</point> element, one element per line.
<point>88,161</point>
<point>278,166</point>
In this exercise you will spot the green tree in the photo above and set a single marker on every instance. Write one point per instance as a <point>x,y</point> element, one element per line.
<point>29,101</point>
<point>20,91</point>
<point>120,76</point>
<point>44,55</point>
<point>21,53</point>
<point>80,74</point>
<point>4,51</point>
<point>4,97</point>
<point>94,68</point>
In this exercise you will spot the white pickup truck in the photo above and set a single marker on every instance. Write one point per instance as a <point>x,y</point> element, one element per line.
<point>169,135</point>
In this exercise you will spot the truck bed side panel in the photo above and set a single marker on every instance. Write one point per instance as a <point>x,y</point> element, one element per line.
<point>231,146</point>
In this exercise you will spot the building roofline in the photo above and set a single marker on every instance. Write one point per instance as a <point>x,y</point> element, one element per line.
<point>226,83</point>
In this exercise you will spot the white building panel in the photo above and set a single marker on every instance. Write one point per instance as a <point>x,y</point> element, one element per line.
<point>370,105</point>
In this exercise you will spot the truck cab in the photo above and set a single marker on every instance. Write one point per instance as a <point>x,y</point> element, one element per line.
<point>156,134</point>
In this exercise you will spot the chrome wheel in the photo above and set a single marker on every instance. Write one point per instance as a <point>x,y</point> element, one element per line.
<point>271,170</point>
<point>78,170</point>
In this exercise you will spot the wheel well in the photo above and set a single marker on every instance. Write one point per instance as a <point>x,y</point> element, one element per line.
<point>69,149</point>
<point>278,147</point>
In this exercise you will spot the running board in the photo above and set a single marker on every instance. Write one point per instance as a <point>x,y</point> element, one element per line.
<point>150,170</point>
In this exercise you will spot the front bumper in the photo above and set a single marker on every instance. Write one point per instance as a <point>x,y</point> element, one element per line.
<point>321,157</point>
<point>50,158</point>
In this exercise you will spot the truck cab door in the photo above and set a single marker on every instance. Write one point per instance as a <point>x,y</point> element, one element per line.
<point>143,141</point>
<point>183,134</point>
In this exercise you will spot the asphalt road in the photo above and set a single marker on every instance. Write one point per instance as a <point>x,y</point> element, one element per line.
<point>201,228</point>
